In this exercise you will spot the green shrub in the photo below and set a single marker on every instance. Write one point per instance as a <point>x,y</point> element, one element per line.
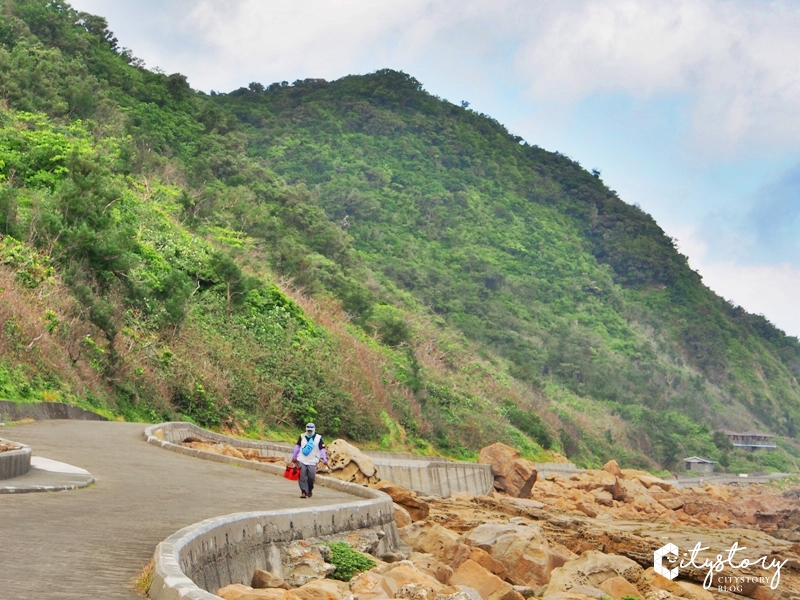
<point>347,561</point>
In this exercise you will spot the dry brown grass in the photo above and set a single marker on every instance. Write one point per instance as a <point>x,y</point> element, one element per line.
<point>144,580</point>
<point>26,342</point>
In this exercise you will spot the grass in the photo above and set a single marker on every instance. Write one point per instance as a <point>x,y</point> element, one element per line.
<point>144,580</point>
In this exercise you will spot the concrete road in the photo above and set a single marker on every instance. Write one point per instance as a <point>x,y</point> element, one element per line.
<point>91,543</point>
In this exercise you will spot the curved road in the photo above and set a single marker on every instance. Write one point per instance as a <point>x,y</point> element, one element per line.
<point>92,543</point>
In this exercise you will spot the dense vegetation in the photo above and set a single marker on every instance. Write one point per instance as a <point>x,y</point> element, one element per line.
<point>401,269</point>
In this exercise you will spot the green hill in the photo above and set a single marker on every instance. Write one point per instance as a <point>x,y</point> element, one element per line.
<point>399,268</point>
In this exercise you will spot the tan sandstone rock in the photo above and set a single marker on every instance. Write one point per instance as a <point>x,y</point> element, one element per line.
<point>488,585</point>
<point>513,475</point>
<point>348,463</point>
<point>414,591</point>
<point>243,592</point>
<point>402,517</point>
<point>522,549</point>
<point>428,563</point>
<point>592,480</point>
<point>651,482</point>
<point>671,503</point>
<point>265,580</point>
<point>612,467</point>
<point>436,540</point>
<point>302,563</point>
<point>592,568</point>
<point>371,586</point>
<point>406,573</point>
<point>417,509</point>
<point>485,560</point>
<point>618,587</point>
<point>319,589</point>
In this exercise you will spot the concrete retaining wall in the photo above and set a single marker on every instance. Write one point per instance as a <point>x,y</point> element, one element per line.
<point>436,476</point>
<point>14,463</point>
<point>224,550</point>
<point>42,411</point>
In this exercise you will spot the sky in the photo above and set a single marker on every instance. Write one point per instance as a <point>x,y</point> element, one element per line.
<point>689,108</point>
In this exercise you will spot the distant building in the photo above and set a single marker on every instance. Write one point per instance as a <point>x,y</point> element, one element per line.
<point>752,440</point>
<point>695,464</point>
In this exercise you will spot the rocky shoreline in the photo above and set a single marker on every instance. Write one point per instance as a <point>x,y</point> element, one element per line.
<point>588,536</point>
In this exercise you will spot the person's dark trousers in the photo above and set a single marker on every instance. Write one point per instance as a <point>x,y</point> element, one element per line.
<point>308,473</point>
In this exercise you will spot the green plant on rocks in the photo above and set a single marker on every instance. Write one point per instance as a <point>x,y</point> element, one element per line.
<point>347,561</point>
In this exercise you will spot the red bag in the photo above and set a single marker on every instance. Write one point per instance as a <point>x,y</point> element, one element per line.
<point>292,473</point>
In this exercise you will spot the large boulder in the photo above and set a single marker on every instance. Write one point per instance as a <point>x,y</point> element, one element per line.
<point>303,562</point>
<point>265,580</point>
<point>320,589</point>
<point>371,586</point>
<point>428,563</point>
<point>612,467</point>
<point>513,475</point>
<point>592,568</point>
<point>484,559</point>
<point>625,490</point>
<point>348,463</point>
<point>523,550</point>
<point>417,509</point>
<point>432,538</point>
<point>488,585</point>
<point>402,517</point>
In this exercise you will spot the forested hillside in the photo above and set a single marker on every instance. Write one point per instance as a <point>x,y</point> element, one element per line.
<point>401,269</point>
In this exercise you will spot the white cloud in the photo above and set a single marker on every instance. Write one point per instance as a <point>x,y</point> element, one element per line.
<point>737,62</point>
<point>767,289</point>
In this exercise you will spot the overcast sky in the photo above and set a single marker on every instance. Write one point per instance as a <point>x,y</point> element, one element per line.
<point>690,108</point>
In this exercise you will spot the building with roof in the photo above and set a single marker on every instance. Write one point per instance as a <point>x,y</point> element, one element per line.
<point>696,464</point>
<point>752,440</point>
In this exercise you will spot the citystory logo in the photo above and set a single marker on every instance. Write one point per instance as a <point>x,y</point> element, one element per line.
<point>658,561</point>
<point>730,583</point>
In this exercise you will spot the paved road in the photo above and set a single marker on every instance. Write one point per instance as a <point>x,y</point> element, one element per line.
<point>91,543</point>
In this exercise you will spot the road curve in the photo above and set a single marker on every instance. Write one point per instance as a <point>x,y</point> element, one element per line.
<point>92,543</point>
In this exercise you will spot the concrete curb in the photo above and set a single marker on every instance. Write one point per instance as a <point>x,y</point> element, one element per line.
<point>227,549</point>
<point>14,463</point>
<point>435,476</point>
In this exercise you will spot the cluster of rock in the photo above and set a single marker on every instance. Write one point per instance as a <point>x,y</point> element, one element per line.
<point>233,451</point>
<point>627,494</point>
<point>346,462</point>
<point>586,536</point>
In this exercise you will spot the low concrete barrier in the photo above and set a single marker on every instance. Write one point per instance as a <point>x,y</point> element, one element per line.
<point>14,463</point>
<point>690,482</point>
<point>42,411</point>
<point>224,550</point>
<point>437,476</point>
<point>563,469</point>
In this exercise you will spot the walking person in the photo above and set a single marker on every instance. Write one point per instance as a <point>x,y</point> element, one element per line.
<point>308,451</point>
